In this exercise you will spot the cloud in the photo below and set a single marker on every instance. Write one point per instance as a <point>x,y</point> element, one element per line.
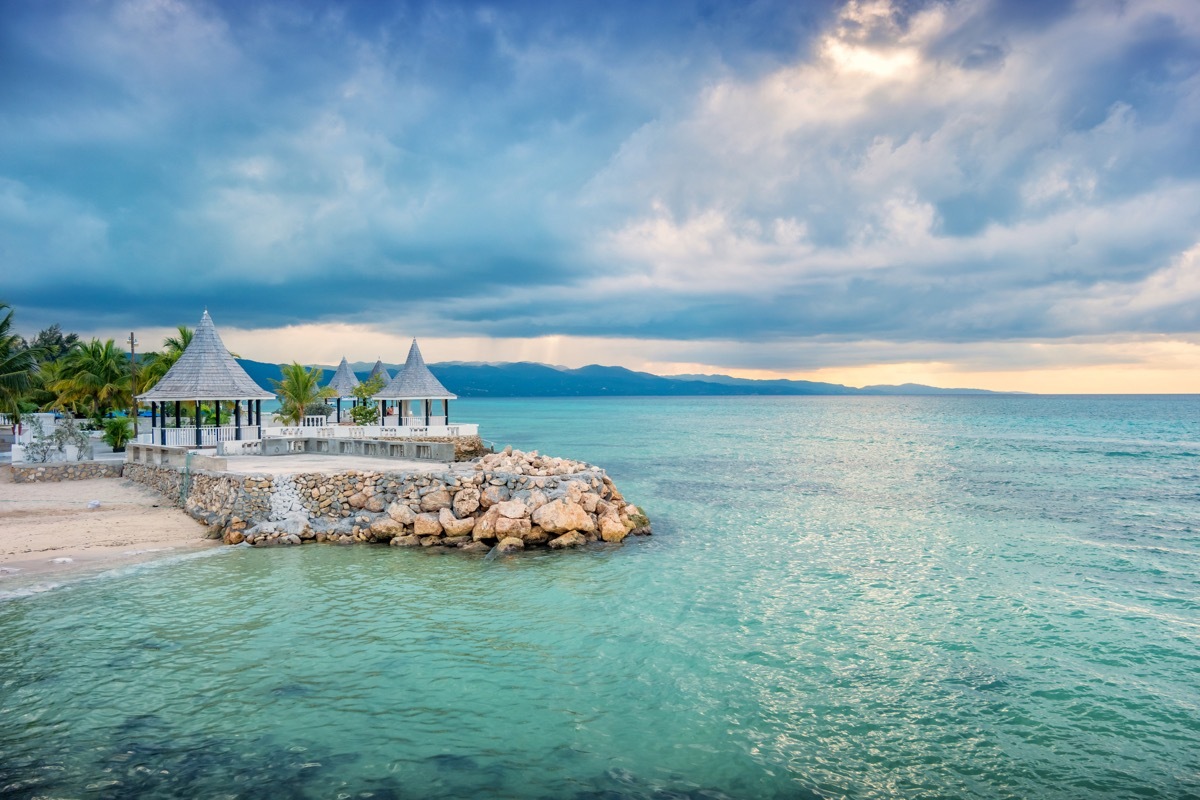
<point>907,175</point>
<point>871,148</point>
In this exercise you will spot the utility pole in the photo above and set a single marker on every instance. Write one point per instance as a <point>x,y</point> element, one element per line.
<point>133,380</point>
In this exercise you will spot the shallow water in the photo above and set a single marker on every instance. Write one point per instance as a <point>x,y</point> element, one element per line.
<point>858,597</point>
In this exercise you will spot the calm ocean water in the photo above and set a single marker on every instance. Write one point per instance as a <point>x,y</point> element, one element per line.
<point>845,597</point>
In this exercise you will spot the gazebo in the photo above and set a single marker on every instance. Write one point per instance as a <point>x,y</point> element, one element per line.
<point>343,382</point>
<point>414,389</point>
<point>380,369</point>
<point>205,372</point>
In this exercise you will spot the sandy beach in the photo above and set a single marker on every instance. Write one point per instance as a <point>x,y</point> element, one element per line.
<point>49,528</point>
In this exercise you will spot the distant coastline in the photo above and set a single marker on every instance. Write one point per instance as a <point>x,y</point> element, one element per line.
<point>527,379</point>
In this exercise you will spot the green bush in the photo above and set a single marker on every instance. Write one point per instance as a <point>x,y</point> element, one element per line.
<point>365,415</point>
<point>118,432</point>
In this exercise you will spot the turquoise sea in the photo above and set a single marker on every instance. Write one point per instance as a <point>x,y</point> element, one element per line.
<point>934,597</point>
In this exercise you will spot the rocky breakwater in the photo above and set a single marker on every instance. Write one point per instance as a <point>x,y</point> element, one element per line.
<point>510,501</point>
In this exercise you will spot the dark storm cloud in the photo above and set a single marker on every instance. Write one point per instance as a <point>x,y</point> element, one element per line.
<point>755,172</point>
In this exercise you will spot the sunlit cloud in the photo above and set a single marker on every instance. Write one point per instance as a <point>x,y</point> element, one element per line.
<point>671,188</point>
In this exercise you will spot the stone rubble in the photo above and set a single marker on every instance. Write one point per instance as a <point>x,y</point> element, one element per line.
<point>509,501</point>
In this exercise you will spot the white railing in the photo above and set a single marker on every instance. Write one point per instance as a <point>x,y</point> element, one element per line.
<point>209,435</point>
<point>378,431</point>
<point>412,422</point>
<point>316,421</point>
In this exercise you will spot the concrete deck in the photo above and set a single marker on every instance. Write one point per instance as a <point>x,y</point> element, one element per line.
<point>329,464</point>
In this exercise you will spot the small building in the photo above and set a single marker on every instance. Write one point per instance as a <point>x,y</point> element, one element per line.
<point>205,373</point>
<point>414,391</point>
<point>343,383</point>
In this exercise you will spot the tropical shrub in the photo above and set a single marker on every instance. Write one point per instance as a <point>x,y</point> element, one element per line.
<point>41,444</point>
<point>118,432</point>
<point>367,411</point>
<point>68,432</point>
<point>318,409</point>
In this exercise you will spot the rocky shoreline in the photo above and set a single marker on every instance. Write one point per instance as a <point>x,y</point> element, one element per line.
<point>510,501</point>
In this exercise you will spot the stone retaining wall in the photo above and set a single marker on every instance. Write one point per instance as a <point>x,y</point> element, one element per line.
<point>512,500</point>
<point>65,471</point>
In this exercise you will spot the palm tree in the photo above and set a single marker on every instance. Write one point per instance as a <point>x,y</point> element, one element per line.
<point>18,365</point>
<point>97,379</point>
<point>40,394</point>
<point>155,365</point>
<point>300,388</point>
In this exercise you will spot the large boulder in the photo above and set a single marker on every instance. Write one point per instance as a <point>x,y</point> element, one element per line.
<point>611,528</point>
<point>513,509</point>
<point>510,545</point>
<point>357,500</point>
<point>466,502</point>
<point>386,528</point>
<point>406,541</point>
<point>561,515</point>
<point>485,525</point>
<point>537,498</point>
<point>435,500</point>
<point>571,539</point>
<point>401,513</point>
<point>454,526</point>
<point>427,525</point>
<point>535,535</point>
<point>493,495</point>
<point>512,527</point>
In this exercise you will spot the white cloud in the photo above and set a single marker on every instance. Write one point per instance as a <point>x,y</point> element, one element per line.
<point>862,144</point>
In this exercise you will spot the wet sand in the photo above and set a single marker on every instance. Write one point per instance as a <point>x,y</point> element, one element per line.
<point>48,529</point>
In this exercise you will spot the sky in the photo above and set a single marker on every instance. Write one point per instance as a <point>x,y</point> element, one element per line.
<point>979,193</point>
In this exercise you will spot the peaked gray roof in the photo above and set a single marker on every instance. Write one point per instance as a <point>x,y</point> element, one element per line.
<point>380,369</point>
<point>414,381</point>
<point>344,380</point>
<point>206,371</point>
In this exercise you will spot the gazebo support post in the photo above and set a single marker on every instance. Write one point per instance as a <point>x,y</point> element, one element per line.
<point>153,415</point>
<point>258,416</point>
<point>446,410</point>
<point>177,425</point>
<point>339,413</point>
<point>382,413</point>
<point>237,420</point>
<point>197,423</point>
<point>428,404</point>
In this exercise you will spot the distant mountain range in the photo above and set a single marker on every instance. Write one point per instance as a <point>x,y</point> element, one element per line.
<point>526,379</point>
